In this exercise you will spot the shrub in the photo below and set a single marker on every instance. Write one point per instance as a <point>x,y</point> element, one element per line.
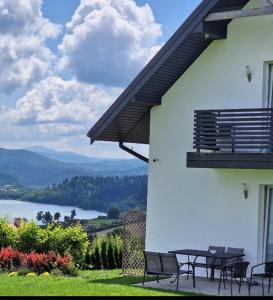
<point>23,271</point>
<point>103,253</point>
<point>13,274</point>
<point>31,238</point>
<point>110,255</point>
<point>7,234</point>
<point>38,263</point>
<point>45,275</point>
<point>56,272</point>
<point>72,270</point>
<point>96,259</point>
<point>63,263</point>
<point>72,241</point>
<point>31,275</point>
<point>10,258</point>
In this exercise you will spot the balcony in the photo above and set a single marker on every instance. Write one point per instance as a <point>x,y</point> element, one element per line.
<point>235,138</point>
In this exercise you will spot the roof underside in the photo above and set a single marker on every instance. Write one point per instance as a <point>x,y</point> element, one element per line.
<point>128,119</point>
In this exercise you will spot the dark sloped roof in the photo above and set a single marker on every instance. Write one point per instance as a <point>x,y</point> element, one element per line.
<point>128,119</point>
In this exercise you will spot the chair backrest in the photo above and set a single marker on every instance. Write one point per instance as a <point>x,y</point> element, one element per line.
<point>239,269</point>
<point>217,261</point>
<point>234,251</point>
<point>152,262</point>
<point>269,267</point>
<point>169,263</point>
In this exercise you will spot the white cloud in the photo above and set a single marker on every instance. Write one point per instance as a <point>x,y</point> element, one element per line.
<point>56,108</point>
<point>109,41</point>
<point>24,57</point>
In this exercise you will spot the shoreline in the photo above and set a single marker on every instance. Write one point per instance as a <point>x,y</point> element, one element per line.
<point>60,205</point>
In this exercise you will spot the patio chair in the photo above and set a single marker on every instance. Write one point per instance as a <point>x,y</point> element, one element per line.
<point>234,271</point>
<point>234,251</point>
<point>171,267</point>
<point>210,261</point>
<point>153,265</point>
<point>164,264</point>
<point>266,274</point>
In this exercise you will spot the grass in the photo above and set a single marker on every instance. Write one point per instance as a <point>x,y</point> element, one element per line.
<point>89,283</point>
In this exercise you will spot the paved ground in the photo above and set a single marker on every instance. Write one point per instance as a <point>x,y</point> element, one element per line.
<point>207,287</point>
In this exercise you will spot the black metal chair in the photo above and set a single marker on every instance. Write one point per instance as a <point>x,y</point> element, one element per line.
<point>266,274</point>
<point>166,265</point>
<point>234,271</point>
<point>171,267</point>
<point>234,251</point>
<point>210,261</point>
<point>153,265</point>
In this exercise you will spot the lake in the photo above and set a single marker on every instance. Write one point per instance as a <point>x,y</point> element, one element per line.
<point>19,209</point>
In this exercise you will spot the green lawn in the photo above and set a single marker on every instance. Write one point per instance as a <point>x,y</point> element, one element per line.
<point>89,283</point>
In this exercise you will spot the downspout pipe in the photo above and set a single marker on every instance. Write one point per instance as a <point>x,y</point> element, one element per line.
<point>134,153</point>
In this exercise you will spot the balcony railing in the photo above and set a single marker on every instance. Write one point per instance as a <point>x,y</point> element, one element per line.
<point>234,130</point>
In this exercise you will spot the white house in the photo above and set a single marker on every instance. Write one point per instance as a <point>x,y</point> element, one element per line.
<point>204,105</point>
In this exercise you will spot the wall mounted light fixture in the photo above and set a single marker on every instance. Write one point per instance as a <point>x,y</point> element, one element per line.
<point>245,188</point>
<point>248,73</point>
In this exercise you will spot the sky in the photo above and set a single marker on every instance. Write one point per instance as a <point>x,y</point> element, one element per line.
<point>64,62</point>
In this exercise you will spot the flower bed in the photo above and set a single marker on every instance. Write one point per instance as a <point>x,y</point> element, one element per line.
<point>36,263</point>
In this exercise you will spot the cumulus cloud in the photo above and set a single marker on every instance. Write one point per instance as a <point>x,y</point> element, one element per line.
<point>24,57</point>
<point>55,107</point>
<point>109,41</point>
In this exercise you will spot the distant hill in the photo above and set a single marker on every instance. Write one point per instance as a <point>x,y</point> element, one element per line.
<point>67,157</point>
<point>109,167</point>
<point>30,168</point>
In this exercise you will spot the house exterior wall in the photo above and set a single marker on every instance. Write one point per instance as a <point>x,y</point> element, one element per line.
<point>195,208</point>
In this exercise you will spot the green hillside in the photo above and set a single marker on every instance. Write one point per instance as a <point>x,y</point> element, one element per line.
<point>28,168</point>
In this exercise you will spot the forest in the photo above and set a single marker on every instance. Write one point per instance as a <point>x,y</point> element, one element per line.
<point>94,193</point>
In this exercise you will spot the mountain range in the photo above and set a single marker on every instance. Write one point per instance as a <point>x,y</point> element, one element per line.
<point>39,166</point>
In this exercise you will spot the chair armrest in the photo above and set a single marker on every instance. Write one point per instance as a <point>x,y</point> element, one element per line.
<point>186,263</point>
<point>254,267</point>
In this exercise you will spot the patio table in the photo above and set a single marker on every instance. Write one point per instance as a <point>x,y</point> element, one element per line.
<point>206,254</point>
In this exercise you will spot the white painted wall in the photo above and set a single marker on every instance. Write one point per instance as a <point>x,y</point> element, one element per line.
<point>195,208</point>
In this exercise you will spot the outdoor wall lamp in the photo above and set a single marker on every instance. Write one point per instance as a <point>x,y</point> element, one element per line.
<point>245,188</point>
<point>248,73</point>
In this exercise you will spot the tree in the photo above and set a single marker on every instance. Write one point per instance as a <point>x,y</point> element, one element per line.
<point>113,213</point>
<point>104,254</point>
<point>48,218</point>
<point>110,256</point>
<point>40,216</point>
<point>117,258</point>
<point>96,258</point>
<point>57,216</point>
<point>73,214</point>
<point>67,219</point>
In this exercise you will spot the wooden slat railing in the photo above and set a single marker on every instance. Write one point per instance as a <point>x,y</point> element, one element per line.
<point>234,130</point>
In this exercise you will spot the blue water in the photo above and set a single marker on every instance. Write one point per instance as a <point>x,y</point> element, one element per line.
<point>18,209</point>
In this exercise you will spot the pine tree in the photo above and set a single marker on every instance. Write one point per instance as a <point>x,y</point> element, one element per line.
<point>120,255</point>
<point>96,259</point>
<point>110,255</point>
<point>116,256</point>
<point>104,257</point>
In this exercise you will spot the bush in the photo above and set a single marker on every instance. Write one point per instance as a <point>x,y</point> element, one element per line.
<point>7,234</point>
<point>9,258</point>
<point>110,255</point>
<point>32,238</point>
<point>72,241</point>
<point>72,270</point>
<point>23,271</point>
<point>39,263</point>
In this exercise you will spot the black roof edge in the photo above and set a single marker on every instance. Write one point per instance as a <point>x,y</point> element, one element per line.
<point>185,29</point>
